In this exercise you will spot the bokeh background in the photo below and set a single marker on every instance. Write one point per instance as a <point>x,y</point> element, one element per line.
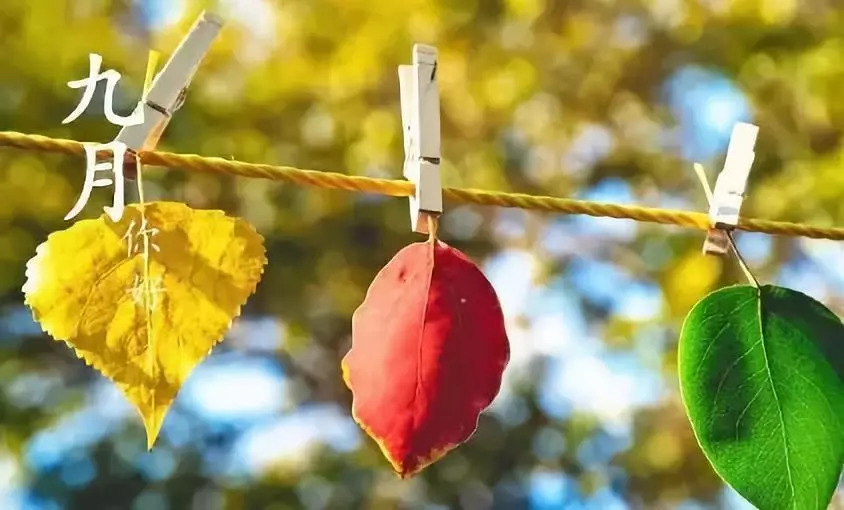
<point>608,100</point>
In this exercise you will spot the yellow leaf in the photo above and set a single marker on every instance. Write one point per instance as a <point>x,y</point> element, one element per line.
<point>145,326</point>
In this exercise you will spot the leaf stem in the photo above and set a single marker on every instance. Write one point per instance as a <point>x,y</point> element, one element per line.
<point>433,226</point>
<point>744,267</point>
<point>147,291</point>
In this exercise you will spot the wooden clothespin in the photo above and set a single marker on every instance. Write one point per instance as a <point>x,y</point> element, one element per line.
<point>726,200</point>
<point>420,113</point>
<point>169,87</point>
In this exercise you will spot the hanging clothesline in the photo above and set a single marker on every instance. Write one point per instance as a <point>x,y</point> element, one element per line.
<point>402,188</point>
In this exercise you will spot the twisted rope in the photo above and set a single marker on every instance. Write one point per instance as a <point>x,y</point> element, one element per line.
<point>400,188</point>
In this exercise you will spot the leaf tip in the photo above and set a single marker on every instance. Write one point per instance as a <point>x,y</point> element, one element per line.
<point>152,425</point>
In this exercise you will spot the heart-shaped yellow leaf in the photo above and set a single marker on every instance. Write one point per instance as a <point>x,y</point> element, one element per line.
<point>145,323</point>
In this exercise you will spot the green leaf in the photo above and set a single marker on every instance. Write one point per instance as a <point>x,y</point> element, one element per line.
<point>762,379</point>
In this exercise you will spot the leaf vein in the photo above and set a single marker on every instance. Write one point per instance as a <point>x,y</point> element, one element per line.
<point>776,401</point>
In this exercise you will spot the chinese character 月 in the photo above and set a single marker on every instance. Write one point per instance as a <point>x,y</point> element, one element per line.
<point>118,150</point>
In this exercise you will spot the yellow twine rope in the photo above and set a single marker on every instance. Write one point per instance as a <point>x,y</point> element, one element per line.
<point>400,188</point>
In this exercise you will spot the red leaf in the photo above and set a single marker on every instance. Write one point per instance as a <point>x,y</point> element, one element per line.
<point>428,351</point>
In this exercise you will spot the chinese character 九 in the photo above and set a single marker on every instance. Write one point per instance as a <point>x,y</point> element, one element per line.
<point>118,150</point>
<point>90,83</point>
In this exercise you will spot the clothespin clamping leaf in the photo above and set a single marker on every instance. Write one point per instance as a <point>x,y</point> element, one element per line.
<point>762,370</point>
<point>143,298</point>
<point>428,342</point>
<point>167,90</point>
